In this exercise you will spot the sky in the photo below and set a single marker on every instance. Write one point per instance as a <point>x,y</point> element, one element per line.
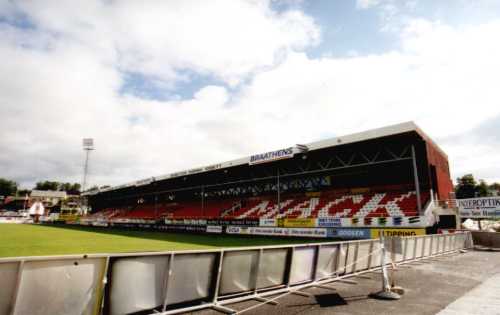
<point>164,86</point>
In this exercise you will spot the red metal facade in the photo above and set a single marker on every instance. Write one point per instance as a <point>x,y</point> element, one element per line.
<point>440,178</point>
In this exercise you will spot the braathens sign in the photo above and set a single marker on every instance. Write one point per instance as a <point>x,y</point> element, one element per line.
<point>271,156</point>
<point>488,207</point>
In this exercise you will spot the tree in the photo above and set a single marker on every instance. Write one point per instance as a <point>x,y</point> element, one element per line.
<point>72,189</point>
<point>23,192</point>
<point>7,187</point>
<point>47,185</point>
<point>482,189</point>
<point>495,187</point>
<point>466,187</point>
<point>65,187</point>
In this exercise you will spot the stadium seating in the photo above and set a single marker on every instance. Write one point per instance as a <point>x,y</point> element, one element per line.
<point>387,204</point>
<point>326,204</point>
<point>105,214</point>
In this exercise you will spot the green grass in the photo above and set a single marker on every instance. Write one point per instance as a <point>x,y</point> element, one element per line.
<point>40,240</point>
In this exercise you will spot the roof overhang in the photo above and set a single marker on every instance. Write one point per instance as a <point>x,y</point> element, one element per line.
<point>318,145</point>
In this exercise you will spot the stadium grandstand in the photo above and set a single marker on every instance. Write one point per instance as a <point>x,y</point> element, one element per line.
<point>386,177</point>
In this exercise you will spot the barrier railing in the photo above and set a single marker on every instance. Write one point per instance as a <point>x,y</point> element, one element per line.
<point>181,281</point>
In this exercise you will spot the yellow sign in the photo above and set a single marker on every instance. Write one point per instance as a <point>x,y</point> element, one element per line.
<point>313,194</point>
<point>69,217</point>
<point>397,232</point>
<point>299,222</point>
<point>362,190</point>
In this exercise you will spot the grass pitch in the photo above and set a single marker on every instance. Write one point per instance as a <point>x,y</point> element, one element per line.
<point>41,240</point>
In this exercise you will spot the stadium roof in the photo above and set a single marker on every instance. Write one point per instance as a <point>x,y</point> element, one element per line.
<point>288,152</point>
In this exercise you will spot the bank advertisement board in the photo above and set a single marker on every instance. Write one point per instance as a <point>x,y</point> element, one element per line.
<point>183,228</point>
<point>240,222</point>
<point>487,207</point>
<point>278,231</point>
<point>349,234</point>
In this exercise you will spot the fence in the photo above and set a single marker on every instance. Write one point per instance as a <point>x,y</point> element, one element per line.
<point>174,282</point>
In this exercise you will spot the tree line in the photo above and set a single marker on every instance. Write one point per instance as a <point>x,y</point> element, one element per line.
<point>11,188</point>
<point>468,187</point>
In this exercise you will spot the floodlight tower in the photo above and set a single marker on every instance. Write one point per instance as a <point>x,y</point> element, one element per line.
<point>88,145</point>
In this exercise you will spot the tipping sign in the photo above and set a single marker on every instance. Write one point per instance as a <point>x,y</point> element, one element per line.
<point>488,207</point>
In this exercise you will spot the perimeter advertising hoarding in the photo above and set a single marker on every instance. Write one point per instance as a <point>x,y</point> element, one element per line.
<point>488,207</point>
<point>349,234</point>
<point>299,223</point>
<point>329,222</point>
<point>375,233</point>
<point>185,221</point>
<point>130,225</point>
<point>237,230</point>
<point>277,231</point>
<point>227,222</point>
<point>214,229</point>
<point>183,228</point>
<point>417,221</point>
<point>267,222</point>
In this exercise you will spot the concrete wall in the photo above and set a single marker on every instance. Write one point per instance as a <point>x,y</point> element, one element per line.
<point>486,239</point>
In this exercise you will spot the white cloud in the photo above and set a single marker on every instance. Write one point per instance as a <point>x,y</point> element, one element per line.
<point>366,4</point>
<point>443,78</point>
<point>224,38</point>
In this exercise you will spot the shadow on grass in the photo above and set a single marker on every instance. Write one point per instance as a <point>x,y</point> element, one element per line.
<point>208,240</point>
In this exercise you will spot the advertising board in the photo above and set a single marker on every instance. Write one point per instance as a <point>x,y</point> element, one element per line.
<point>329,222</point>
<point>237,230</point>
<point>237,222</point>
<point>271,156</point>
<point>267,222</point>
<point>214,229</point>
<point>375,233</point>
<point>416,221</point>
<point>349,234</point>
<point>301,232</point>
<point>278,231</point>
<point>183,228</point>
<point>488,207</point>
<point>299,222</point>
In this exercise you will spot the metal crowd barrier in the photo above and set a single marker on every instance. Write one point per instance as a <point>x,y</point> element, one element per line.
<point>181,281</point>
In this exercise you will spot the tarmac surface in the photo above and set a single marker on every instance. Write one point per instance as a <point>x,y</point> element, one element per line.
<point>462,283</point>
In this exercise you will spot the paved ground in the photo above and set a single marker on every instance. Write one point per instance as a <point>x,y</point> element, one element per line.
<point>472,278</point>
<point>483,299</point>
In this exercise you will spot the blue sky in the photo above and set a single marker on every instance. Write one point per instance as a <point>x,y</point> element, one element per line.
<point>166,85</point>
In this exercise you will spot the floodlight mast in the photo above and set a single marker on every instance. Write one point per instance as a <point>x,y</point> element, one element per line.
<point>88,145</point>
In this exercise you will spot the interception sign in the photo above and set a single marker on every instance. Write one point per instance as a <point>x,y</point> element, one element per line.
<point>488,207</point>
